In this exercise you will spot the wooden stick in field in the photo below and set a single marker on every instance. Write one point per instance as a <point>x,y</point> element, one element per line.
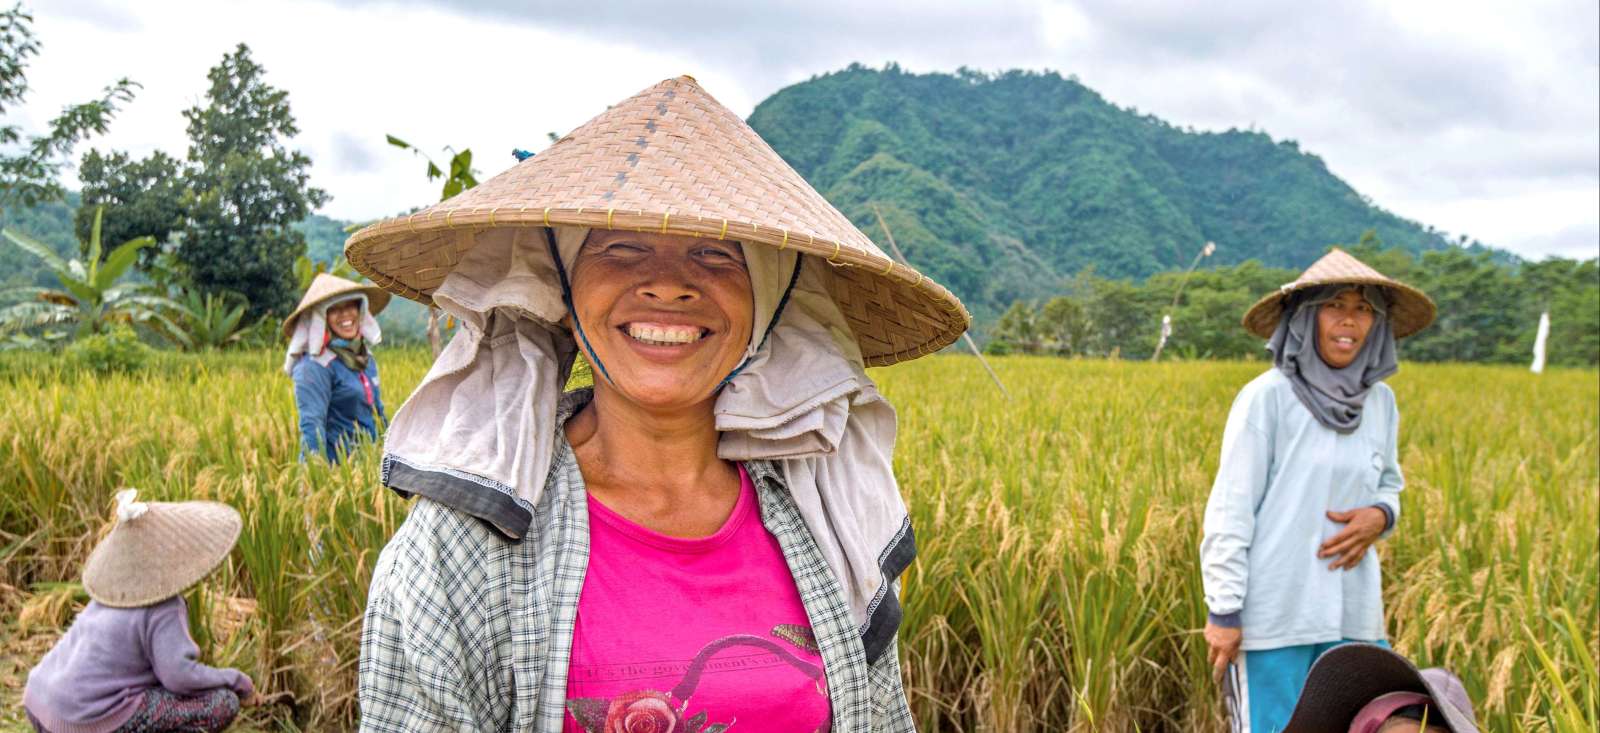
<point>895,248</point>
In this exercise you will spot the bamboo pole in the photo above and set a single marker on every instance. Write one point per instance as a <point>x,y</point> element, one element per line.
<point>895,248</point>
<point>1166,318</point>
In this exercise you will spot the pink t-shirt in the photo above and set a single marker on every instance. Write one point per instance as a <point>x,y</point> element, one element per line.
<point>695,635</point>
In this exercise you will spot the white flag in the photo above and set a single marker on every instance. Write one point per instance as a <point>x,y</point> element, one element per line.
<point>1538,342</point>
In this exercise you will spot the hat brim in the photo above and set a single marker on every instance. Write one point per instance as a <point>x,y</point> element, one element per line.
<point>1410,310</point>
<point>1347,677</point>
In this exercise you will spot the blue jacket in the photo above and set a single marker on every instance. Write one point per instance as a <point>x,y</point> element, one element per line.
<point>333,406</point>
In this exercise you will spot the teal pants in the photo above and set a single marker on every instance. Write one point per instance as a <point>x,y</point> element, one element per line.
<point>1266,684</point>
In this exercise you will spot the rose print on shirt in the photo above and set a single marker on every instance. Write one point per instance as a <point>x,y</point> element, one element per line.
<point>651,711</point>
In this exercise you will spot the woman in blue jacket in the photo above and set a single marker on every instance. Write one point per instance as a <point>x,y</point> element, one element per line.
<point>336,388</point>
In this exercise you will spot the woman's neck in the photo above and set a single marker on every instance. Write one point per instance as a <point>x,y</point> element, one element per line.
<point>656,467</point>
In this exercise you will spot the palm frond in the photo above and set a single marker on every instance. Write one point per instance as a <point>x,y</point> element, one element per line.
<point>23,316</point>
<point>37,249</point>
<point>143,300</point>
<point>172,331</point>
<point>29,292</point>
<point>119,261</point>
<point>94,241</point>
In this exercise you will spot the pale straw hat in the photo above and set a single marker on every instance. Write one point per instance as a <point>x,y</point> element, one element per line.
<point>673,160</point>
<point>325,287</point>
<point>158,550</point>
<point>1410,310</point>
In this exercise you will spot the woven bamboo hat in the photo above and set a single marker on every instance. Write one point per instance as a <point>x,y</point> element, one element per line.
<point>158,550</point>
<point>671,159</point>
<point>325,287</point>
<point>1410,310</point>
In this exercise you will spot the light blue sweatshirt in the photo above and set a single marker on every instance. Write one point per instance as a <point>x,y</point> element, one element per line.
<point>1281,472</point>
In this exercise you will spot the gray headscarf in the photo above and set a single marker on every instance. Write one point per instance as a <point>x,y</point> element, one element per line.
<point>1334,396</point>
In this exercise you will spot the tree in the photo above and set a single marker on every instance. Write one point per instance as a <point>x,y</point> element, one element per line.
<point>1017,330</point>
<point>1064,325</point>
<point>141,198</point>
<point>1570,291</point>
<point>246,189</point>
<point>28,171</point>
<point>1207,324</point>
<point>1575,312</point>
<point>1478,305</point>
<point>92,295</point>
<point>1124,317</point>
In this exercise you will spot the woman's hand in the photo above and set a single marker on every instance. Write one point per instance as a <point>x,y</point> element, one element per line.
<point>1224,647</point>
<point>1362,527</point>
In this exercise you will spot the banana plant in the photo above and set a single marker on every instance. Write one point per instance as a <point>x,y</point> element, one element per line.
<point>205,322</point>
<point>93,293</point>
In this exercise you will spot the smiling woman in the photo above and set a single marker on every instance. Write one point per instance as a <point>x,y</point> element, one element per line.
<point>713,533</point>
<point>336,389</point>
<point>1309,481</point>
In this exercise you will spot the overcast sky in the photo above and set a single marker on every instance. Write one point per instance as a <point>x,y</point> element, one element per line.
<point>1481,119</point>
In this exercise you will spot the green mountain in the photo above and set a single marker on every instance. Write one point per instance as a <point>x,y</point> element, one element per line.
<point>1000,186</point>
<point>1004,186</point>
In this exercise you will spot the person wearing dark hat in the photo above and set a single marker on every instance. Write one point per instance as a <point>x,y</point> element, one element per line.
<point>336,389</point>
<point>128,663</point>
<point>1308,481</point>
<point>712,535</point>
<point>1365,688</point>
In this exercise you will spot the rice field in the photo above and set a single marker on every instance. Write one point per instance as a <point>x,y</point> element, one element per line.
<point>1056,589</point>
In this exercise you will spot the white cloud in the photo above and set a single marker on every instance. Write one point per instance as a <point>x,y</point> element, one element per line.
<point>1477,118</point>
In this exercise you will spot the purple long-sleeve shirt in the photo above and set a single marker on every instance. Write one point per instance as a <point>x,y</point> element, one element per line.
<point>92,681</point>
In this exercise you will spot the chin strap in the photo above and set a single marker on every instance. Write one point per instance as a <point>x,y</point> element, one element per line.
<point>566,297</point>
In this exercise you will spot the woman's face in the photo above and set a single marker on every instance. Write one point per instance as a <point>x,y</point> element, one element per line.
<point>1342,326</point>
<point>669,316</point>
<point>344,319</point>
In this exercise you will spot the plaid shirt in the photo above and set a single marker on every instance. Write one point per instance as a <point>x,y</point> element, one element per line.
<point>466,631</point>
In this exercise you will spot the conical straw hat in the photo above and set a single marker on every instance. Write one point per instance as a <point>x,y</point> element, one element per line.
<point>1410,310</point>
<point>160,551</point>
<point>326,287</point>
<point>673,160</point>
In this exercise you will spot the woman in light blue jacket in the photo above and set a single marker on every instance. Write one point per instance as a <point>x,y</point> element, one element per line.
<point>1309,480</point>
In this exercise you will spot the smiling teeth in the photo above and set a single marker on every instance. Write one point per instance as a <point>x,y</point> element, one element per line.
<point>664,334</point>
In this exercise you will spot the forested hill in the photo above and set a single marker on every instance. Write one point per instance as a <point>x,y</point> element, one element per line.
<point>1001,185</point>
